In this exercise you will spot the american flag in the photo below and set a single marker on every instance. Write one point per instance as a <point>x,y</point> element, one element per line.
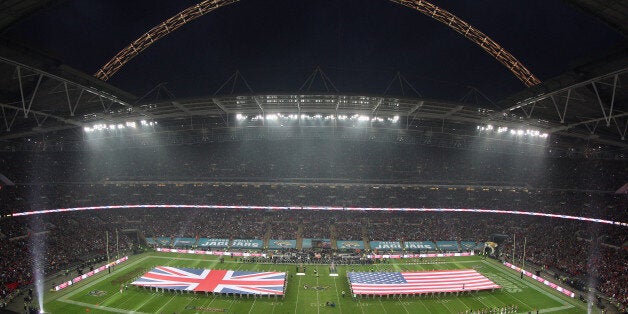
<point>383,283</point>
<point>219,281</point>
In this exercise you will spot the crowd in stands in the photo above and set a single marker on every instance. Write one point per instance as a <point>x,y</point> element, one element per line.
<point>578,203</point>
<point>314,160</point>
<point>193,223</point>
<point>350,230</point>
<point>316,228</point>
<point>67,241</point>
<point>562,245</point>
<point>576,250</point>
<point>314,173</point>
<point>283,229</point>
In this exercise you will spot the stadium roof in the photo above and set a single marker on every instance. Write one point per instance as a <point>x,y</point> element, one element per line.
<point>41,94</point>
<point>613,13</point>
<point>12,11</point>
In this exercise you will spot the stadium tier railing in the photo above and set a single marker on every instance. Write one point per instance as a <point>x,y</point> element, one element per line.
<point>202,252</point>
<point>541,280</point>
<point>371,256</point>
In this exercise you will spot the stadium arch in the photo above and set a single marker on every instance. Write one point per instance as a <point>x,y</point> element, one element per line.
<point>445,17</point>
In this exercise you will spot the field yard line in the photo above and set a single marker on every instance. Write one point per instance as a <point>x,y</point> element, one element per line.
<point>554,309</point>
<point>233,300</point>
<point>163,306</point>
<point>445,305</point>
<point>535,287</point>
<point>318,304</point>
<point>210,301</point>
<point>296,304</point>
<point>499,300</point>
<point>337,296</point>
<point>404,307</point>
<point>254,298</point>
<point>252,304</point>
<point>397,268</point>
<point>96,281</point>
<point>382,304</point>
<point>105,299</point>
<point>461,301</point>
<point>127,300</point>
<point>215,295</point>
<point>72,293</point>
<point>65,298</point>
<point>100,307</point>
<point>486,306</point>
<point>425,306</point>
<point>148,300</point>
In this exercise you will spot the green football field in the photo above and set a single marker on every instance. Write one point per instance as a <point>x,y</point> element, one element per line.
<point>100,293</point>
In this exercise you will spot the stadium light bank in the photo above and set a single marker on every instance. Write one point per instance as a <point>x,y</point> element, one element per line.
<point>490,129</point>
<point>328,117</point>
<point>103,127</point>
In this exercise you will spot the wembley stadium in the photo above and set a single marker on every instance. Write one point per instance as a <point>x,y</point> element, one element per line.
<point>400,156</point>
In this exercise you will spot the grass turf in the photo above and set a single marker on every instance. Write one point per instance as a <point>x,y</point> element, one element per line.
<point>527,294</point>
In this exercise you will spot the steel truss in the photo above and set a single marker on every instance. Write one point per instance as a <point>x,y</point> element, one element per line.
<point>191,13</point>
<point>546,113</point>
<point>37,98</point>
<point>600,101</point>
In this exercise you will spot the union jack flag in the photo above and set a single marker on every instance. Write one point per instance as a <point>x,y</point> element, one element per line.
<point>219,281</point>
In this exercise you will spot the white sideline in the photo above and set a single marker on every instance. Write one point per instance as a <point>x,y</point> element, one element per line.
<point>100,307</point>
<point>78,289</point>
<point>566,304</point>
<point>64,298</point>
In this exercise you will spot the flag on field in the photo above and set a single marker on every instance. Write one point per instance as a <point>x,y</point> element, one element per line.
<point>383,283</point>
<point>218,281</point>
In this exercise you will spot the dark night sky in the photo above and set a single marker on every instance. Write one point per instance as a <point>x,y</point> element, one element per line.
<point>360,45</point>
